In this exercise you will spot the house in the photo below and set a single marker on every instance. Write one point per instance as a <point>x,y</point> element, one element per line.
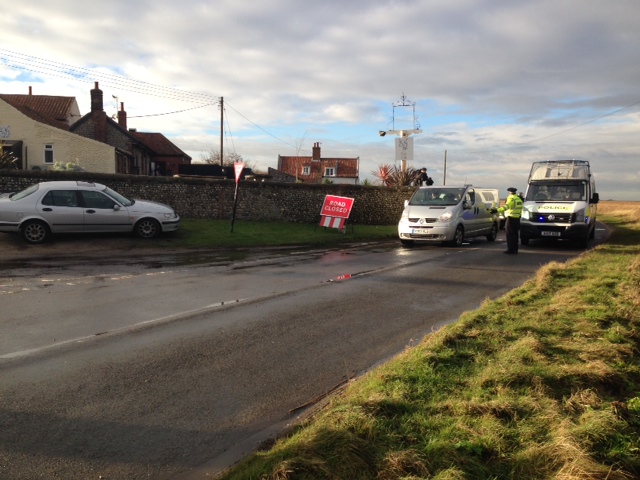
<point>36,130</point>
<point>137,153</point>
<point>315,169</point>
<point>40,130</point>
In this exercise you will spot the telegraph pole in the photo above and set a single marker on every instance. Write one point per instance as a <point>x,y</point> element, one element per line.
<point>444,178</point>
<point>221,130</point>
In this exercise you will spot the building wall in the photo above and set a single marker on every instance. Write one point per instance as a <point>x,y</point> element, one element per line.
<point>258,201</point>
<point>67,147</point>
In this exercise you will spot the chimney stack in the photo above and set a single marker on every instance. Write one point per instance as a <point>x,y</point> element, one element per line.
<point>316,151</point>
<point>122,116</point>
<point>98,115</point>
<point>30,91</point>
<point>96,99</point>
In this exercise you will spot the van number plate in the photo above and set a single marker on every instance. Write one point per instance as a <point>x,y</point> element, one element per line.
<point>549,234</point>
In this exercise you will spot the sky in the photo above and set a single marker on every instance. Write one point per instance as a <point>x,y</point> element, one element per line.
<point>494,84</point>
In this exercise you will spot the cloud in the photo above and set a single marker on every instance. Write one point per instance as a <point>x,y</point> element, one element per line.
<point>496,83</point>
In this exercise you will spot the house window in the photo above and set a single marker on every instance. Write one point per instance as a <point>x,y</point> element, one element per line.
<point>48,153</point>
<point>329,172</point>
<point>306,170</point>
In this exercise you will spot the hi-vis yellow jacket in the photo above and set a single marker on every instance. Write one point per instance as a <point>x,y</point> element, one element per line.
<point>512,207</point>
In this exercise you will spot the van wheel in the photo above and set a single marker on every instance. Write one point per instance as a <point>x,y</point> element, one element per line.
<point>458,237</point>
<point>584,243</point>
<point>524,240</point>
<point>493,234</point>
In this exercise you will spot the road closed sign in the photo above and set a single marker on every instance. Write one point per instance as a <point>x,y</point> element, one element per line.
<point>337,206</point>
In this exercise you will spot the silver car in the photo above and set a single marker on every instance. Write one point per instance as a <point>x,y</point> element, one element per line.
<point>73,206</point>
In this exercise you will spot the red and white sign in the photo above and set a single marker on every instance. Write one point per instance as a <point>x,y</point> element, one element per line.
<point>332,222</point>
<point>337,206</point>
<point>238,167</point>
<point>335,211</point>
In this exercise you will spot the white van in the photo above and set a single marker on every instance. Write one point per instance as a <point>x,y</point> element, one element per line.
<point>449,215</point>
<point>561,202</point>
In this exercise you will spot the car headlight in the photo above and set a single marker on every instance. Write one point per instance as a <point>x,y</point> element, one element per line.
<point>526,214</point>
<point>580,216</point>
<point>170,215</point>
<point>445,217</point>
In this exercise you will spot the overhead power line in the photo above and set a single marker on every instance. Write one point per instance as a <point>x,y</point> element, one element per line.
<point>62,70</point>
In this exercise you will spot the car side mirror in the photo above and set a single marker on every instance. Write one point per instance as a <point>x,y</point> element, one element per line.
<point>116,207</point>
<point>406,202</point>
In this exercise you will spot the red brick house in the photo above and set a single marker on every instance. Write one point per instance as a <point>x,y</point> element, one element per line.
<point>315,169</point>
<point>137,153</point>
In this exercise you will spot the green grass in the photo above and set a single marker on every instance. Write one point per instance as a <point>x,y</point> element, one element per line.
<point>197,233</point>
<point>543,383</point>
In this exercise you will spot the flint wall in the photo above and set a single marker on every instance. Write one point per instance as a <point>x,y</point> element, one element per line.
<point>260,201</point>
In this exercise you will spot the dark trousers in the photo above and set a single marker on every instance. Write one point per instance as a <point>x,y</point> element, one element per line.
<point>512,228</point>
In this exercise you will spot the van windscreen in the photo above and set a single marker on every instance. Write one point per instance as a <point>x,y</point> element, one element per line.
<point>437,196</point>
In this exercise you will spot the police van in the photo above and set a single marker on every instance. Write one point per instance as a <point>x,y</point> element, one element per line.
<point>561,202</point>
<point>449,214</point>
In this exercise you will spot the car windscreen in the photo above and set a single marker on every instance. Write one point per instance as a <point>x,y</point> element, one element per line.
<point>24,193</point>
<point>121,199</point>
<point>437,196</point>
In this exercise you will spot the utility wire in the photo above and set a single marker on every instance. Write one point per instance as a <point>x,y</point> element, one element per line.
<point>61,70</point>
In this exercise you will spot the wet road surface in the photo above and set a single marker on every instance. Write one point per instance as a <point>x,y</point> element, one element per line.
<point>156,368</point>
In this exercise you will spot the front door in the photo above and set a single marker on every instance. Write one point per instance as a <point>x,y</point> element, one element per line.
<point>102,214</point>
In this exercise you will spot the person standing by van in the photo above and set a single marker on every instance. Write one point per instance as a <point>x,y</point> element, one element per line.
<point>512,211</point>
<point>423,179</point>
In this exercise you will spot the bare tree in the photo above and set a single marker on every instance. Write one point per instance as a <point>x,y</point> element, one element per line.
<point>213,157</point>
<point>300,142</point>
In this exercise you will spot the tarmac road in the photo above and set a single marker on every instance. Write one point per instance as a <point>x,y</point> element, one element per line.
<point>183,397</point>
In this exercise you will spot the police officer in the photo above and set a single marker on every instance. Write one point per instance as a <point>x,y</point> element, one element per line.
<point>512,212</point>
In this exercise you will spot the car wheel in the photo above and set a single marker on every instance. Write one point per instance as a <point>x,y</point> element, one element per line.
<point>458,236</point>
<point>147,228</point>
<point>493,234</point>
<point>524,240</point>
<point>35,231</point>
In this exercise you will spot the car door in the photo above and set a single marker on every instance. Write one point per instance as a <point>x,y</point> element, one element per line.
<point>103,214</point>
<point>62,211</point>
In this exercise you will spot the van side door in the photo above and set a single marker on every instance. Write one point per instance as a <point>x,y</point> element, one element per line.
<point>471,213</point>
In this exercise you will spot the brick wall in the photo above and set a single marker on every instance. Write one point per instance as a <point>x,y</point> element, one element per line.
<point>207,198</point>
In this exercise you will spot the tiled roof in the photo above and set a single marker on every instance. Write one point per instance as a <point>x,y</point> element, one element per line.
<point>344,167</point>
<point>160,144</point>
<point>47,109</point>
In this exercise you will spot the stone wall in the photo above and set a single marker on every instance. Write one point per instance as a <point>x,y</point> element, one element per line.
<point>208,198</point>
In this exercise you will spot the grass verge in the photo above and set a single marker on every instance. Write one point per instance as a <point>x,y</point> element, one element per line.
<point>198,233</point>
<point>542,383</point>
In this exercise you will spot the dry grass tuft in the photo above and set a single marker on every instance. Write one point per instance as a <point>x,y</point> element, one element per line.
<point>403,464</point>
